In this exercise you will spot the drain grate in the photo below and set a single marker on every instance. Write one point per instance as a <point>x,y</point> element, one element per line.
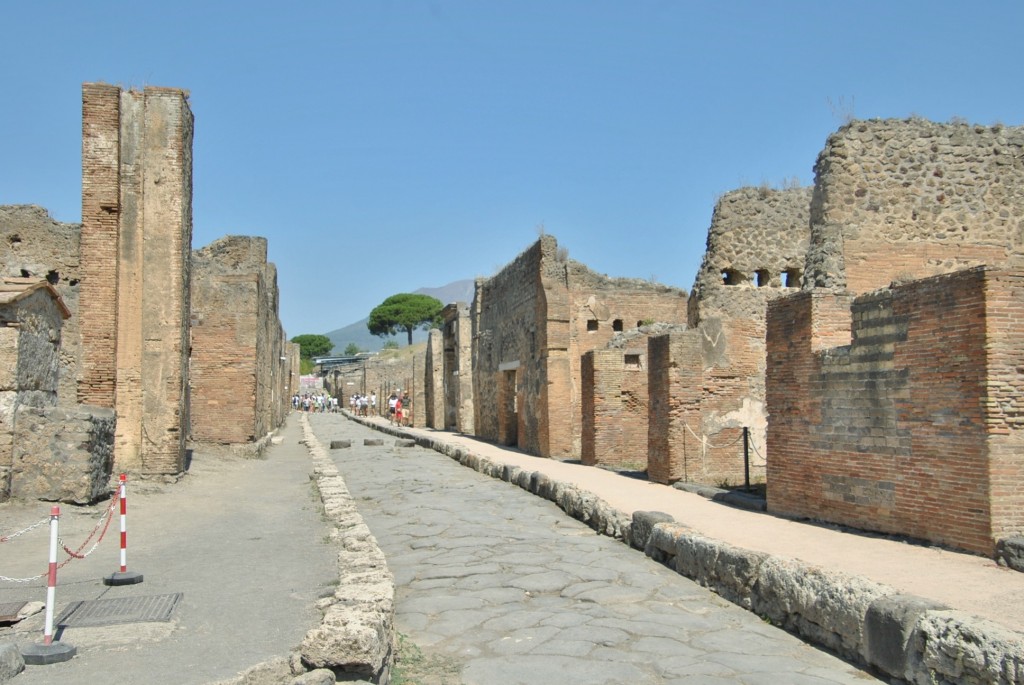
<point>9,611</point>
<point>109,612</point>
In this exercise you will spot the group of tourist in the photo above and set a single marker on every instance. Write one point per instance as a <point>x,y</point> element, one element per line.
<point>313,404</point>
<point>361,405</point>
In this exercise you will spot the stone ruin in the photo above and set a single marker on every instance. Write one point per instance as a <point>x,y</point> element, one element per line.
<point>893,377</point>
<point>124,275</point>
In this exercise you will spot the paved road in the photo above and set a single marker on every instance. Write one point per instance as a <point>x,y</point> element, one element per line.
<point>495,585</point>
<point>242,539</point>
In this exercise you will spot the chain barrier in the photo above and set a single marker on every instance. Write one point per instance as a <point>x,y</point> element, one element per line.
<point>105,519</point>
<point>8,538</point>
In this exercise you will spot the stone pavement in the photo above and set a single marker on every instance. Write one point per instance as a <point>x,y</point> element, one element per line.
<point>912,610</point>
<point>494,585</point>
<point>243,540</point>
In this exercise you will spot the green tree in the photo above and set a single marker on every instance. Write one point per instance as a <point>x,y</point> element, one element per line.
<point>351,350</point>
<point>404,312</point>
<point>312,345</point>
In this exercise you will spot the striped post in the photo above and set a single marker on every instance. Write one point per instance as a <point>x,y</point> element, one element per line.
<point>51,578</point>
<point>123,576</point>
<point>49,652</point>
<point>124,522</point>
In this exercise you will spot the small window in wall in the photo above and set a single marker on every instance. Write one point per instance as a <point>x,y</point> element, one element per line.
<point>731,277</point>
<point>617,325</point>
<point>791,278</point>
<point>591,324</point>
<point>632,362</point>
<point>761,278</point>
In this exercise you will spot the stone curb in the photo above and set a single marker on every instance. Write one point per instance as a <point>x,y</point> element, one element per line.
<point>356,637</point>
<point>870,624</point>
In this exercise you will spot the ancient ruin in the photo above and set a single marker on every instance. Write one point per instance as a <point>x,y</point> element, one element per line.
<point>893,377</point>
<point>240,371</point>
<point>135,248</point>
<point>124,277</point>
<point>532,324</point>
<point>707,383</point>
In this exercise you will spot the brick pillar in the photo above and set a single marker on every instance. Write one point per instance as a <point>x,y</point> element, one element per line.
<point>101,135</point>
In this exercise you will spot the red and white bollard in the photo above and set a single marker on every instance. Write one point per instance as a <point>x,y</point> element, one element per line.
<point>123,576</point>
<point>49,652</point>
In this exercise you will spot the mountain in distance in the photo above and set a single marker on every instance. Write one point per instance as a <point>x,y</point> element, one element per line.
<point>458,291</point>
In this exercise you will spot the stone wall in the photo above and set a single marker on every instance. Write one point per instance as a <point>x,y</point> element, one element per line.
<point>34,245</point>
<point>895,200</point>
<point>434,380</point>
<point>912,428</point>
<point>533,322</point>
<point>238,379</point>
<point>63,453</point>
<point>457,333</point>
<point>31,315</point>
<point>756,247</point>
<point>135,249</point>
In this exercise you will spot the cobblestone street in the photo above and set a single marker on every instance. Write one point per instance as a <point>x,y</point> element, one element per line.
<point>496,585</point>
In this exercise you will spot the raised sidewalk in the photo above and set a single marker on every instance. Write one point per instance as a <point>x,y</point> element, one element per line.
<point>920,613</point>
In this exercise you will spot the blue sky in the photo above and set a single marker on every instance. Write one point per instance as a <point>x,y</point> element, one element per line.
<point>386,146</point>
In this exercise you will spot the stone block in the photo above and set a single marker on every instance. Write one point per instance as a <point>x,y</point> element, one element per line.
<point>11,661</point>
<point>888,625</point>
<point>373,442</point>
<point>340,444</point>
<point>643,524</point>
<point>1010,553</point>
<point>63,454</point>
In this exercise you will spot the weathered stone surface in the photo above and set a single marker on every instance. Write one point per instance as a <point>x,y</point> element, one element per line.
<point>888,627</point>
<point>643,525</point>
<point>953,647</point>
<point>320,676</point>
<point>63,454</point>
<point>373,442</point>
<point>11,661</point>
<point>357,634</point>
<point>1010,553</point>
<point>350,639</point>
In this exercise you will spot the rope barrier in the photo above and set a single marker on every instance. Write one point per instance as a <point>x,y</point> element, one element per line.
<point>704,439</point>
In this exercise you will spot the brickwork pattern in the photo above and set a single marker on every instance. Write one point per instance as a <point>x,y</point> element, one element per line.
<point>101,207</point>
<point>135,252</point>
<point>533,322</point>
<point>900,431</point>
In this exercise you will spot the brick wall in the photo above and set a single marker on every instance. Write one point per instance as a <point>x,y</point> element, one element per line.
<point>239,383</point>
<point>533,322</point>
<point>910,428</point>
<point>614,407</point>
<point>101,208</point>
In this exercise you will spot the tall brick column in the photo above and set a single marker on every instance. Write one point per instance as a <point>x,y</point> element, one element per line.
<point>136,245</point>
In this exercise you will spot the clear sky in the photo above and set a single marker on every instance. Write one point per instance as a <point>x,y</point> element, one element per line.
<point>383,146</point>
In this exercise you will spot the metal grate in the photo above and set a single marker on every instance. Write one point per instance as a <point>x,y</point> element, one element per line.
<point>9,611</point>
<point>108,612</point>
